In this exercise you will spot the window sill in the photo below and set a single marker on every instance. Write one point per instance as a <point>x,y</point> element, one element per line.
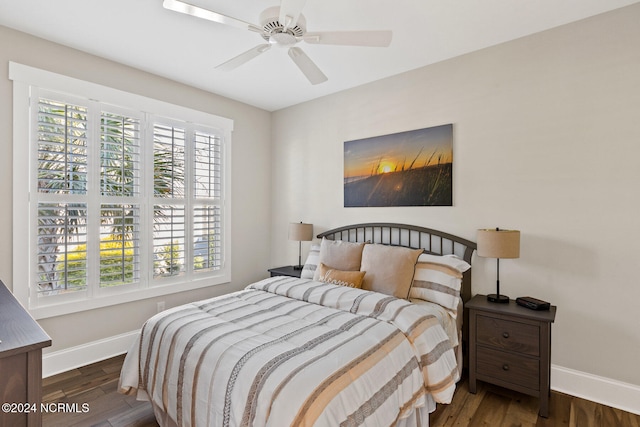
<point>138,294</point>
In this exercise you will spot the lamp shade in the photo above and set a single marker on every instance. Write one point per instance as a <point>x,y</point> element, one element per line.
<point>496,243</point>
<point>300,232</point>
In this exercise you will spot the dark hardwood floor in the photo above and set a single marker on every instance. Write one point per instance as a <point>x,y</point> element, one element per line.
<point>96,385</point>
<point>493,406</point>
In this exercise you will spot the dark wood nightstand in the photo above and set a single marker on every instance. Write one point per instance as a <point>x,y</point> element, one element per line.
<point>510,346</point>
<point>287,270</point>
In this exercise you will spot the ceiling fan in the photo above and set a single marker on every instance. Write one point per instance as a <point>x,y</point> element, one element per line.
<point>285,26</point>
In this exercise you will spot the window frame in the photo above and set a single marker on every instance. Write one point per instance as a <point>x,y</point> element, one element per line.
<point>28,82</point>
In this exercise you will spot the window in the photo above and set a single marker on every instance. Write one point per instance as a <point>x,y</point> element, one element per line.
<point>126,196</point>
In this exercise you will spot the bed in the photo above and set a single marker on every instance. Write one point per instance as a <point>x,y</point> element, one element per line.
<point>312,351</point>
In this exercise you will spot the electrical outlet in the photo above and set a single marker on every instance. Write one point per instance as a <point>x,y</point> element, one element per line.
<point>160,306</point>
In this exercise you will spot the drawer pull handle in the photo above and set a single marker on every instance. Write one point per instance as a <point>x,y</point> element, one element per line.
<point>505,367</point>
<point>505,334</point>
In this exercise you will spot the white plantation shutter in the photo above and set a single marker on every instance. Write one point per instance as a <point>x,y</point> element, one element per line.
<point>168,240</point>
<point>120,199</point>
<point>119,244</point>
<point>62,147</point>
<point>169,156</point>
<point>62,160</point>
<point>120,164</point>
<point>198,204</point>
<point>207,246</point>
<point>119,155</point>
<point>62,248</point>
<point>207,214</point>
<point>207,166</point>
<point>169,153</point>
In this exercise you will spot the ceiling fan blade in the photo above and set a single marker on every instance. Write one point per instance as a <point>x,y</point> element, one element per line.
<point>199,12</point>
<point>307,66</point>
<point>290,12</point>
<point>243,57</point>
<point>351,38</point>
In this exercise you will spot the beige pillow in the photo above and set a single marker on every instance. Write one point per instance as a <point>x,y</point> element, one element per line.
<point>340,255</point>
<point>389,269</point>
<point>352,279</point>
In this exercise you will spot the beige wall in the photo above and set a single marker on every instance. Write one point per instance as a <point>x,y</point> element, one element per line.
<point>250,179</point>
<point>546,140</point>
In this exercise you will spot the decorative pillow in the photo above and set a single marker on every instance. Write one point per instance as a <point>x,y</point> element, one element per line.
<point>352,279</point>
<point>340,255</point>
<point>438,279</point>
<point>449,260</point>
<point>389,269</point>
<point>310,265</point>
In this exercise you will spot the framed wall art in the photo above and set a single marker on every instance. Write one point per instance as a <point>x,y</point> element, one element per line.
<point>412,168</point>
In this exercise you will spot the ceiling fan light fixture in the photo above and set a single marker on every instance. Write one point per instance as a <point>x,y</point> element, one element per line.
<point>282,39</point>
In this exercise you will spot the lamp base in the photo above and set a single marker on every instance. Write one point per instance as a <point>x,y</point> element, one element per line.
<point>298,267</point>
<point>502,299</point>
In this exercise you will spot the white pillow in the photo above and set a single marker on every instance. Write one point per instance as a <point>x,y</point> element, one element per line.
<point>312,262</point>
<point>449,260</point>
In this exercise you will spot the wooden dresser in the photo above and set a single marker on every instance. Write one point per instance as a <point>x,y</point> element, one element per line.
<point>20,363</point>
<point>510,346</point>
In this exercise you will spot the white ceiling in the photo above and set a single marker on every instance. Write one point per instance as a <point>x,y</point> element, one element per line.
<point>144,35</point>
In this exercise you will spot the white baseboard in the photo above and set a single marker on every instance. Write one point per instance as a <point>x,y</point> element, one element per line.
<point>71,358</point>
<point>598,389</point>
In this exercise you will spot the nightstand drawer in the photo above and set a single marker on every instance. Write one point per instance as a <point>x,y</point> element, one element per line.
<point>514,369</point>
<point>508,335</point>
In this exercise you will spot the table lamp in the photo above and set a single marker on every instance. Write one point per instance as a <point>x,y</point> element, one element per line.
<point>300,232</point>
<point>497,243</point>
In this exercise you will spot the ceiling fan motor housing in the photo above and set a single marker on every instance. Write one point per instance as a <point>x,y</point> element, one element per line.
<point>275,33</point>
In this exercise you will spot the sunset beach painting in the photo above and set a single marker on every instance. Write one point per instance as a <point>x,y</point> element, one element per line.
<point>412,168</point>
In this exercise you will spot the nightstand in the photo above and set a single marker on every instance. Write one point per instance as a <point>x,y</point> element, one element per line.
<point>510,346</point>
<point>285,271</point>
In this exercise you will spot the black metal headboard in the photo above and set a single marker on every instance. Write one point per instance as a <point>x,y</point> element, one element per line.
<point>411,236</point>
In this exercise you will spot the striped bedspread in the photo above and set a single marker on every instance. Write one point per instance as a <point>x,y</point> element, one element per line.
<point>289,351</point>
